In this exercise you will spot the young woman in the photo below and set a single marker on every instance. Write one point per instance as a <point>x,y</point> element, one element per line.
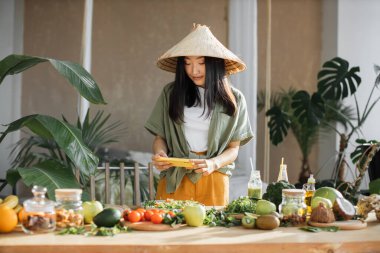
<point>201,117</point>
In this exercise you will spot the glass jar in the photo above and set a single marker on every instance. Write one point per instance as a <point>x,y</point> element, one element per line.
<point>69,209</point>
<point>39,214</point>
<point>293,207</point>
<point>255,185</point>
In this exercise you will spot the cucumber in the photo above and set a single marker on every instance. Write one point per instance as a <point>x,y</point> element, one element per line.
<point>109,217</point>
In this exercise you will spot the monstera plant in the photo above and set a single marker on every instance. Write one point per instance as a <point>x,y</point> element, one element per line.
<point>53,173</point>
<point>306,113</point>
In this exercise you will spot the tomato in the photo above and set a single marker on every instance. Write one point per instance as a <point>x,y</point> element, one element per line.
<point>156,218</point>
<point>148,214</point>
<point>126,213</point>
<point>134,216</point>
<point>142,213</point>
<point>172,214</point>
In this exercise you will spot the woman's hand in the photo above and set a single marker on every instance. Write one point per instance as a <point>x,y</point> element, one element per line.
<point>160,165</point>
<point>204,166</point>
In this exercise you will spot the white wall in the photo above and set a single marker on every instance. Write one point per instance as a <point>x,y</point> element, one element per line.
<point>242,39</point>
<point>11,29</point>
<point>359,43</point>
<point>351,30</point>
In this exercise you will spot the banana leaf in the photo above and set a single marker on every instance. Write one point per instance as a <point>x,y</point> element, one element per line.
<point>77,76</point>
<point>50,174</point>
<point>67,137</point>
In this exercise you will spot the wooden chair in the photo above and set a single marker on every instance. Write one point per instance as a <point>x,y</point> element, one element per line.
<point>122,168</point>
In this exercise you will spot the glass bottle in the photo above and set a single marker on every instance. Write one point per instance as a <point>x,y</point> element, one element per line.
<point>39,216</point>
<point>69,208</point>
<point>255,185</point>
<point>283,174</point>
<point>309,188</point>
<point>293,207</point>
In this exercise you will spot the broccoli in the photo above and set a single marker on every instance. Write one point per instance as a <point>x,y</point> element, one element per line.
<point>274,191</point>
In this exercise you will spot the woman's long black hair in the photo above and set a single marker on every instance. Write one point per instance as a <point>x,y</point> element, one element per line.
<point>185,92</point>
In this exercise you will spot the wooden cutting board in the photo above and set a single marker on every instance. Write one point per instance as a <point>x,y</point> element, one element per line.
<point>149,226</point>
<point>343,225</point>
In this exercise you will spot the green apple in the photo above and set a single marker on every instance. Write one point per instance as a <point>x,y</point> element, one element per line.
<point>316,200</point>
<point>194,215</point>
<point>91,209</point>
<point>264,207</point>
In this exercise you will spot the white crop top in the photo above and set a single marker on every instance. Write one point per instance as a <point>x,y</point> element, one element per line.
<point>196,125</point>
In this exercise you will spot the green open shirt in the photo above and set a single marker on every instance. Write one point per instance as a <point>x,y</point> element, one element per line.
<point>223,130</point>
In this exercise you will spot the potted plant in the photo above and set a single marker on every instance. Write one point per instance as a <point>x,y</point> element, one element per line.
<point>49,172</point>
<point>306,113</point>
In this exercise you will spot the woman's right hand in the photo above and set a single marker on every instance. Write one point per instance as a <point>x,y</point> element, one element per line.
<point>160,165</point>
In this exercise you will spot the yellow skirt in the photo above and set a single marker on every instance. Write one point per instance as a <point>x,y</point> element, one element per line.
<point>211,190</point>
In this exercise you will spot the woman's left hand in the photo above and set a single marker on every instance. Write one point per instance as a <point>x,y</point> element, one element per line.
<point>205,166</point>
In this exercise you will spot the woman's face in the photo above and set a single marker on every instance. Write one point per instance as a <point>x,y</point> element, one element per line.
<point>195,68</point>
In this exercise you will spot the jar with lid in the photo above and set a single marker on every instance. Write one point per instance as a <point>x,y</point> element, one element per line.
<point>255,185</point>
<point>39,214</point>
<point>293,207</point>
<point>69,208</point>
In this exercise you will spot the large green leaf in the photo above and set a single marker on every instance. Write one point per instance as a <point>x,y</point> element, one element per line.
<point>309,110</point>
<point>278,124</point>
<point>74,73</point>
<point>336,81</point>
<point>67,137</point>
<point>50,174</point>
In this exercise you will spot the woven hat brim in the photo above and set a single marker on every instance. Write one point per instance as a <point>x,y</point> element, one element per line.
<point>200,42</point>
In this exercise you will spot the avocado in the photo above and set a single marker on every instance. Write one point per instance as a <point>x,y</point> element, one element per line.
<point>109,217</point>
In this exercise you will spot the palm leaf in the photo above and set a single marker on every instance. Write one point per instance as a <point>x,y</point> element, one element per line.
<point>50,174</point>
<point>278,124</point>
<point>67,137</point>
<point>308,109</point>
<point>336,81</point>
<point>74,73</point>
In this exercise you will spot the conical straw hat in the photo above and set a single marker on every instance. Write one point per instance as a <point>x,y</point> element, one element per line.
<point>200,42</point>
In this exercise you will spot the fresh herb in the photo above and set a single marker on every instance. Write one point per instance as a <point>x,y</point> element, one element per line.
<point>242,205</point>
<point>169,204</point>
<point>320,229</point>
<point>104,231</point>
<point>72,231</point>
<point>220,218</point>
<point>179,218</point>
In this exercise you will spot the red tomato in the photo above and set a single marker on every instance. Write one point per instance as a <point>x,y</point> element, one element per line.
<point>172,214</point>
<point>134,216</point>
<point>141,210</point>
<point>126,213</point>
<point>156,218</point>
<point>148,214</point>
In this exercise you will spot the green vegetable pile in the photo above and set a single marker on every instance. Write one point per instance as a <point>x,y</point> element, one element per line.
<point>242,205</point>
<point>274,191</point>
<point>220,218</point>
<point>169,204</point>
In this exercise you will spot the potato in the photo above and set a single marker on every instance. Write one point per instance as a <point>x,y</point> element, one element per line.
<point>267,222</point>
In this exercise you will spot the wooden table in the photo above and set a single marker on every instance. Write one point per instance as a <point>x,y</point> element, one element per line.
<point>201,239</point>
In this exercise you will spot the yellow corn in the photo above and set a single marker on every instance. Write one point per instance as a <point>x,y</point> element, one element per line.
<point>11,201</point>
<point>17,208</point>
